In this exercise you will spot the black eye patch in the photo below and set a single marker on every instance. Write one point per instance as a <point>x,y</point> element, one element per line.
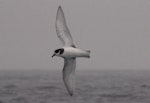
<point>61,51</point>
<point>56,51</point>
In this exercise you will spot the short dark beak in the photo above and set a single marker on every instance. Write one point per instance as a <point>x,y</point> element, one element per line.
<point>53,55</point>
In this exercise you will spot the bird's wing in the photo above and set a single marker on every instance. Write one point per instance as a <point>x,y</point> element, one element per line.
<point>68,74</point>
<point>62,30</point>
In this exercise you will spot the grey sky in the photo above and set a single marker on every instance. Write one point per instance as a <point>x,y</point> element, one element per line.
<point>116,31</point>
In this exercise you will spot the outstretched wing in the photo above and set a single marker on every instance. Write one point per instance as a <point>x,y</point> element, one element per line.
<point>62,30</point>
<point>68,74</point>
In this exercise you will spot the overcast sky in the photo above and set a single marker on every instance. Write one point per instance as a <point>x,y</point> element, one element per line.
<point>116,31</point>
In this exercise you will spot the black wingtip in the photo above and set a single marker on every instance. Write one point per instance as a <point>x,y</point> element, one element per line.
<point>59,10</point>
<point>71,94</point>
<point>59,7</point>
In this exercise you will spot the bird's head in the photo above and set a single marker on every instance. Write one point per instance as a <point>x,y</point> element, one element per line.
<point>58,52</point>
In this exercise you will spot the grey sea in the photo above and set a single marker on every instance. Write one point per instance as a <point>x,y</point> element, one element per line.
<point>103,86</point>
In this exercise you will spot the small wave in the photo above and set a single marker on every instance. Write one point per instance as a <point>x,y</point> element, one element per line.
<point>8,90</point>
<point>145,86</point>
<point>10,86</point>
<point>47,88</point>
<point>115,95</point>
<point>19,100</point>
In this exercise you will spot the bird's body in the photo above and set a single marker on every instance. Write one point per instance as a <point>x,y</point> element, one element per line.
<point>69,52</point>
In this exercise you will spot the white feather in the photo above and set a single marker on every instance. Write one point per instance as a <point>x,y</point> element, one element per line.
<point>62,30</point>
<point>68,74</point>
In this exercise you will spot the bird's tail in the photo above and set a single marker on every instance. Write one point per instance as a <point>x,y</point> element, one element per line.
<point>88,51</point>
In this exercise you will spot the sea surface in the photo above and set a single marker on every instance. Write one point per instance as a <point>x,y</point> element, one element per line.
<point>99,86</point>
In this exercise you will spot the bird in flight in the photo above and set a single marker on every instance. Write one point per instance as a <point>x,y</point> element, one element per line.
<point>69,51</point>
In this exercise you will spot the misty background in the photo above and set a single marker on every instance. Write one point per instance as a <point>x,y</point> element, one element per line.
<point>116,31</point>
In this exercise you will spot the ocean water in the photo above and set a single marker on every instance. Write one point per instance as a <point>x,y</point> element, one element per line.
<point>36,86</point>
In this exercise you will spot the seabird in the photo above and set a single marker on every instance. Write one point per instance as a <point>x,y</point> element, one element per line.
<point>69,51</point>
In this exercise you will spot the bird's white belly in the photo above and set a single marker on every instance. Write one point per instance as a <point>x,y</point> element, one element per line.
<point>70,52</point>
